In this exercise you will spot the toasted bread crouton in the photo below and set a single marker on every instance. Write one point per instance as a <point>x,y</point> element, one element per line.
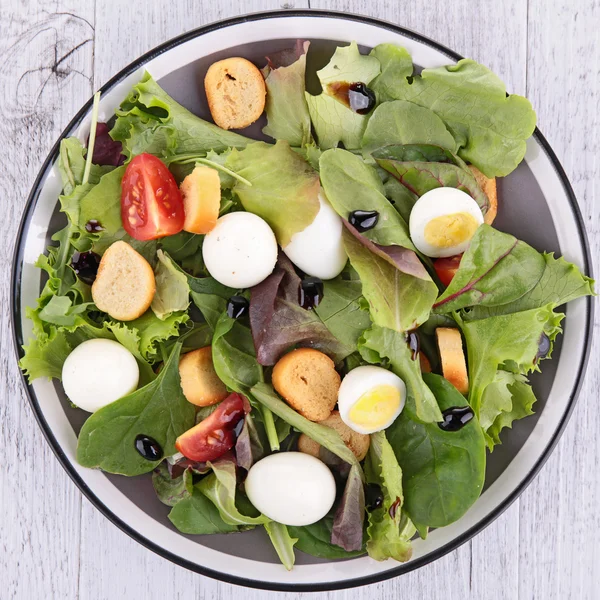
<point>308,382</point>
<point>488,187</point>
<point>125,285</point>
<point>452,357</point>
<point>236,92</point>
<point>201,192</point>
<point>357,442</point>
<point>424,363</point>
<point>199,380</point>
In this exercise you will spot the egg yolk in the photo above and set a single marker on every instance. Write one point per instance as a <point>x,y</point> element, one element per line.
<point>450,230</point>
<point>376,407</point>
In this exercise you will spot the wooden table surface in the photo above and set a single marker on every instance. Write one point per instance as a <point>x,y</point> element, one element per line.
<point>53,55</point>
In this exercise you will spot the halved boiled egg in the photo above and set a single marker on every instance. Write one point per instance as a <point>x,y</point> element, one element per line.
<point>370,399</point>
<point>443,221</point>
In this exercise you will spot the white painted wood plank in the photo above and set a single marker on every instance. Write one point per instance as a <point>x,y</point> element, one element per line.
<point>560,520</point>
<point>44,78</point>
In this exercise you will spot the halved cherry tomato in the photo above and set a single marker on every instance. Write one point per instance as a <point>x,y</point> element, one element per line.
<point>446,268</point>
<point>151,203</point>
<point>216,434</point>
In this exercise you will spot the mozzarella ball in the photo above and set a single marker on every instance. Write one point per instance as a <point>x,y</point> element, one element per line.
<point>99,372</point>
<point>291,488</point>
<point>371,398</point>
<point>443,221</point>
<point>241,250</point>
<point>319,250</point>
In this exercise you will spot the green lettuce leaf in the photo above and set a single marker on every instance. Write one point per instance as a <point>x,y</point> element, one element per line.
<point>396,66</point>
<point>315,540</point>
<point>45,358</point>
<point>71,165</point>
<point>489,127</point>
<point>442,471</point>
<point>384,346</point>
<point>282,542</point>
<point>349,65</point>
<point>287,112</point>
<point>149,120</point>
<point>511,339</point>
<point>152,331</point>
<point>401,122</point>
<point>159,410</point>
<point>103,203</point>
<point>172,290</point>
<point>350,184</point>
<point>285,188</point>
<point>390,530</point>
<point>495,269</point>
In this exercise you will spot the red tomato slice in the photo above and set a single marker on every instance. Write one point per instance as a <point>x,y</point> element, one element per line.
<point>216,434</point>
<point>446,268</point>
<point>151,203</point>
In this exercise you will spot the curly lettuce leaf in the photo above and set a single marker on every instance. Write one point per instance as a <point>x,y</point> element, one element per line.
<point>390,530</point>
<point>45,358</point>
<point>401,122</point>
<point>287,112</point>
<point>511,339</point>
<point>149,120</point>
<point>350,184</point>
<point>396,65</point>
<point>489,126</point>
<point>172,290</point>
<point>284,190</point>
<point>348,64</point>
<point>495,269</point>
<point>384,346</point>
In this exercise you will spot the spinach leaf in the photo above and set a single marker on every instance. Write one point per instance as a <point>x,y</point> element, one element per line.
<point>186,250</point>
<point>159,410</point>
<point>442,471</point>
<point>282,542</point>
<point>170,490</point>
<point>495,269</point>
<point>422,177</point>
<point>284,190</point>
<point>418,152</point>
<point>172,290</point>
<point>325,436</point>
<point>350,184</point>
<point>149,120</point>
<point>389,531</point>
<point>347,530</point>
<point>315,540</point>
<point>278,322</point>
<point>220,488</point>
<point>380,346</point>
<point>287,112</point>
<point>496,341</point>
<point>490,127</point>
<point>211,307</point>
<point>196,514</point>
<point>560,283</point>
<point>401,197</point>
<point>396,66</point>
<point>399,291</point>
<point>401,122</point>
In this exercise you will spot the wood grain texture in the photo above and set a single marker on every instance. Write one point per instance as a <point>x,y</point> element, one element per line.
<point>54,544</point>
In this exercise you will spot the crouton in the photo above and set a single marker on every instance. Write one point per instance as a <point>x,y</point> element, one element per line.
<point>125,285</point>
<point>199,380</point>
<point>236,92</point>
<point>452,357</point>
<point>308,382</point>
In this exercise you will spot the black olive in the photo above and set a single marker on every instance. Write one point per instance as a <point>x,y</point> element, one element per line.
<point>310,293</point>
<point>456,418</point>
<point>237,307</point>
<point>148,447</point>
<point>85,265</point>
<point>373,496</point>
<point>543,347</point>
<point>93,226</point>
<point>414,344</point>
<point>363,220</point>
<point>361,98</point>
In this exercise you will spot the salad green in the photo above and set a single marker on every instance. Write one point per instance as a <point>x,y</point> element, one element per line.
<point>415,132</point>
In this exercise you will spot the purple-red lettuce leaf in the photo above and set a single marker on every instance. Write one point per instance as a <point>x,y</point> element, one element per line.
<point>243,447</point>
<point>279,323</point>
<point>496,269</point>
<point>106,150</point>
<point>347,530</point>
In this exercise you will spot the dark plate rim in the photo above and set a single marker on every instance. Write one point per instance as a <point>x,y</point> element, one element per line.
<point>48,434</point>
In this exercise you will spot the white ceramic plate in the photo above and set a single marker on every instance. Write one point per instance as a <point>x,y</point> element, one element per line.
<point>536,204</point>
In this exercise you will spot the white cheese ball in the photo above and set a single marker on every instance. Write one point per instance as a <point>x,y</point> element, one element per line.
<point>443,222</point>
<point>291,488</point>
<point>241,250</point>
<point>319,249</point>
<point>99,372</point>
